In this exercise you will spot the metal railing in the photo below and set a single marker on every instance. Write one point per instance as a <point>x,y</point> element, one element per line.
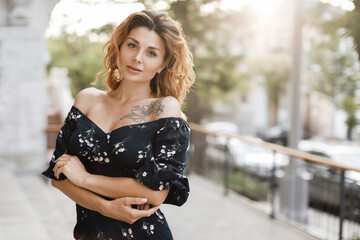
<point>257,169</point>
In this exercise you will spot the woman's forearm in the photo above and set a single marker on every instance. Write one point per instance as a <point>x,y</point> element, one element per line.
<point>119,209</point>
<point>116,187</point>
<point>81,196</point>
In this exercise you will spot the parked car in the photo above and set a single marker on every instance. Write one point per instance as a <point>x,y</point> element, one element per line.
<point>276,134</point>
<point>256,160</point>
<point>324,187</point>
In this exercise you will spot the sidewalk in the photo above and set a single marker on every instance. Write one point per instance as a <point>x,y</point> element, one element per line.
<point>30,209</point>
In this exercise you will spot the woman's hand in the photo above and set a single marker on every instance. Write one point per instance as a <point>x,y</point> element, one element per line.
<point>72,168</point>
<point>121,209</point>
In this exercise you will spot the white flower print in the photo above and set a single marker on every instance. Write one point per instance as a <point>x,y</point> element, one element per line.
<point>149,228</point>
<point>128,233</point>
<point>141,127</point>
<point>119,147</point>
<point>161,187</point>
<point>83,215</point>
<point>160,217</point>
<point>160,130</point>
<point>74,115</point>
<point>163,165</point>
<point>143,153</point>
<point>102,236</point>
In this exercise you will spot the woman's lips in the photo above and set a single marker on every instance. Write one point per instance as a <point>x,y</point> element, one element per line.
<point>133,69</point>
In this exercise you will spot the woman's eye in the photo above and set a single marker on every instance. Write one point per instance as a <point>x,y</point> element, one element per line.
<point>131,45</point>
<point>152,54</point>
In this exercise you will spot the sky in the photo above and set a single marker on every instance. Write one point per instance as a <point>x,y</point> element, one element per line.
<point>81,17</point>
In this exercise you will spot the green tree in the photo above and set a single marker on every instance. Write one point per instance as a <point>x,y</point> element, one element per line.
<point>348,21</point>
<point>275,68</point>
<point>334,64</point>
<point>81,56</point>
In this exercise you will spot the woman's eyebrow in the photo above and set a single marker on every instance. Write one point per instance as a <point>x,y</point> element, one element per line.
<point>137,42</point>
<point>155,48</point>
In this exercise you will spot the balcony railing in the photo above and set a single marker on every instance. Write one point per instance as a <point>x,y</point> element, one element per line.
<point>257,170</point>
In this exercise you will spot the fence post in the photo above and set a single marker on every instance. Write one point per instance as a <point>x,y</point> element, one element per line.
<point>273,186</point>
<point>342,202</point>
<point>227,167</point>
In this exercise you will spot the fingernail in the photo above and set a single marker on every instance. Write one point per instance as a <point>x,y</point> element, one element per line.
<point>143,200</point>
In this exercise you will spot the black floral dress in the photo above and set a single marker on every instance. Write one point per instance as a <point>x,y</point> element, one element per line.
<point>152,152</point>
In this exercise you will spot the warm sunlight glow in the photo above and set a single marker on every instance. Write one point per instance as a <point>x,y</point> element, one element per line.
<point>266,7</point>
<point>80,17</point>
<point>344,4</point>
<point>261,7</point>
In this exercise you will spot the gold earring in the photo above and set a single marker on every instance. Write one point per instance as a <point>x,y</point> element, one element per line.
<point>117,75</point>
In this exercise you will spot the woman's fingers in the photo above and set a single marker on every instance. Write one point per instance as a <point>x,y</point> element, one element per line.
<point>137,214</point>
<point>58,165</point>
<point>134,201</point>
<point>121,209</point>
<point>59,171</point>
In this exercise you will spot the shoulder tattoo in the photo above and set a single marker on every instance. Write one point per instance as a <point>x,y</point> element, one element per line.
<point>142,113</point>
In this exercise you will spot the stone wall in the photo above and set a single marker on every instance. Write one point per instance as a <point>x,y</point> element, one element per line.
<point>23,101</point>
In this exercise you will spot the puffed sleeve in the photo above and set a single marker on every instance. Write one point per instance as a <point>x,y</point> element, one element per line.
<point>62,142</point>
<point>163,168</point>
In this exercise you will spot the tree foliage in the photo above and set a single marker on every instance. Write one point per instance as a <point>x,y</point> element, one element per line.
<point>334,62</point>
<point>81,56</point>
<point>275,69</point>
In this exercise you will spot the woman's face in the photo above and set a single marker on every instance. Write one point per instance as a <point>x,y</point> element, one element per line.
<point>141,55</point>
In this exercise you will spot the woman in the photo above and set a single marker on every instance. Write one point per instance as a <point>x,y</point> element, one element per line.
<point>121,154</point>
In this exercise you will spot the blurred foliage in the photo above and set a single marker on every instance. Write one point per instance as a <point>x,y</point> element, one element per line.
<point>275,68</point>
<point>350,106</point>
<point>81,56</point>
<point>334,64</point>
<point>348,21</point>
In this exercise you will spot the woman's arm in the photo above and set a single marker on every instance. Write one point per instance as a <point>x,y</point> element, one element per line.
<point>115,187</point>
<point>112,187</point>
<point>119,209</point>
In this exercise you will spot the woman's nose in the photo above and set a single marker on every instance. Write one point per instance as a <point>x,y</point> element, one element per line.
<point>137,58</point>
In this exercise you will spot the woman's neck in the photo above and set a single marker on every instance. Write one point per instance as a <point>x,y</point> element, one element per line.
<point>129,91</point>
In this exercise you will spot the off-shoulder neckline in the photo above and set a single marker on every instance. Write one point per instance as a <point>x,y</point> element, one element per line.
<point>129,125</point>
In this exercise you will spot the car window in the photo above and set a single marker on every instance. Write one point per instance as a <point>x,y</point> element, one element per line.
<point>321,154</point>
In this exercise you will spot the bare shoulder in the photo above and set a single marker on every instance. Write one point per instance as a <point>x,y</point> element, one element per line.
<point>86,97</point>
<point>166,107</point>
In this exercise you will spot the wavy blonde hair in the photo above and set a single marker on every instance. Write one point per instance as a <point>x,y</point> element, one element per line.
<point>178,75</point>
